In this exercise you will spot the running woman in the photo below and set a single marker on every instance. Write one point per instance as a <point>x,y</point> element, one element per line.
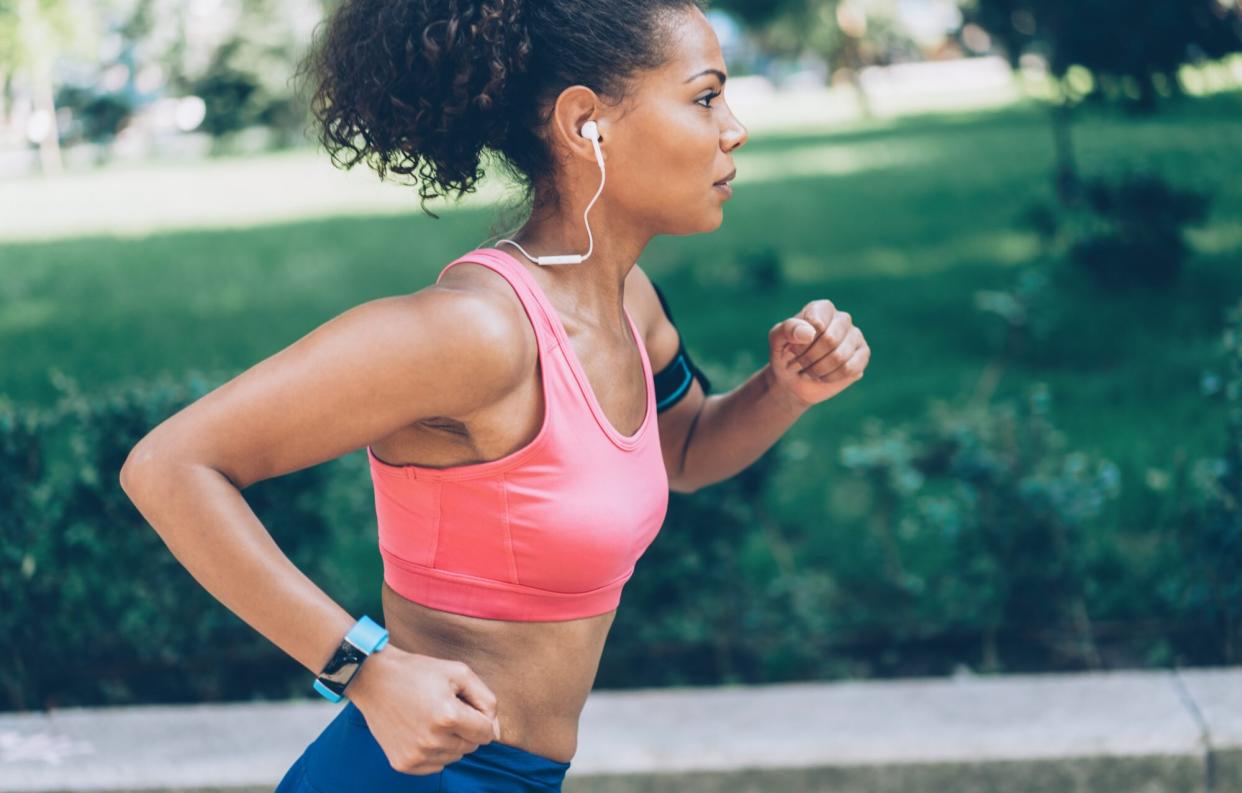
<point>524,417</point>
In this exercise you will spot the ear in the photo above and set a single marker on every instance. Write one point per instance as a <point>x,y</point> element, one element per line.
<point>575,106</point>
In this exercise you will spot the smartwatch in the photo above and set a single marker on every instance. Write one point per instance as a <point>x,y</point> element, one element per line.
<point>366,637</point>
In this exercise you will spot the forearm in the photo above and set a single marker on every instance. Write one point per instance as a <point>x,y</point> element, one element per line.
<point>735,429</point>
<point>208,526</point>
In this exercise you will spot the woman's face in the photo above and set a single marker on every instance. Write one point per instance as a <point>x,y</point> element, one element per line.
<point>674,137</point>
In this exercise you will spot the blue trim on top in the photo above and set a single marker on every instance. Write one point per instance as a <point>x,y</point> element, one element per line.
<point>681,389</point>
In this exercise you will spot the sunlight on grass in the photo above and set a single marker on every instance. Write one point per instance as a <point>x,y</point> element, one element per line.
<point>1217,238</point>
<point>26,314</point>
<point>827,158</point>
<point>1005,248</point>
<point>246,192</point>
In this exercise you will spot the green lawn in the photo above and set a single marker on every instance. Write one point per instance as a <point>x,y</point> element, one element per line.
<point>898,222</point>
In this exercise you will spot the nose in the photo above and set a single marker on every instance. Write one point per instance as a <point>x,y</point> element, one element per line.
<point>735,134</point>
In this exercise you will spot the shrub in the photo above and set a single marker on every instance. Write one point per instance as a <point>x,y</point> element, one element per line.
<point>1202,592</point>
<point>1125,232</point>
<point>128,620</point>
<point>982,516</point>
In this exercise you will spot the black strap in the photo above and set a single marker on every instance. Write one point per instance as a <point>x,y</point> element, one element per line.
<point>673,381</point>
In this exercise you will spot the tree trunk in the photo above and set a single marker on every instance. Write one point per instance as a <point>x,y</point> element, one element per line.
<point>35,28</point>
<point>1067,182</point>
<point>49,147</point>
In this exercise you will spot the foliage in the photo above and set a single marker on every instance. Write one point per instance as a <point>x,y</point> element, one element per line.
<point>984,542</point>
<point>97,117</point>
<point>981,516</point>
<point>129,622</point>
<point>1029,312</point>
<point>759,12</point>
<point>1204,549</point>
<point>1125,231</point>
<point>1146,40</point>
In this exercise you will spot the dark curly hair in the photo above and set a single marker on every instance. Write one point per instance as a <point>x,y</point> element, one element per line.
<point>420,87</point>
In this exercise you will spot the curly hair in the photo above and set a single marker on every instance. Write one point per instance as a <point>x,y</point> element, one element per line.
<point>420,87</point>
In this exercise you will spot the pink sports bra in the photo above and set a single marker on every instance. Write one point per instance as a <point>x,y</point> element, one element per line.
<point>551,531</point>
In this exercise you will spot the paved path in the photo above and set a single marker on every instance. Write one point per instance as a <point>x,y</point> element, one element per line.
<point>1115,732</point>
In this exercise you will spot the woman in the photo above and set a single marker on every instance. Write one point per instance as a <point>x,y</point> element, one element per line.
<point>524,421</point>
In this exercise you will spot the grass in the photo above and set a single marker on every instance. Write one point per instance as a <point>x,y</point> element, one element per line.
<point>897,221</point>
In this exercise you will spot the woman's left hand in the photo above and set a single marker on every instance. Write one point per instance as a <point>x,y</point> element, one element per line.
<point>817,353</point>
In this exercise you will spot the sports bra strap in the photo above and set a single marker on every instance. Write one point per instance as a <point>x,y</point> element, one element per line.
<point>522,284</point>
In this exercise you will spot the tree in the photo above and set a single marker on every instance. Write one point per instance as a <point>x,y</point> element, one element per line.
<point>1133,50</point>
<point>1141,44</point>
<point>32,34</point>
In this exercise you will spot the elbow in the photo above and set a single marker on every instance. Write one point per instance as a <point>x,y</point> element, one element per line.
<point>129,473</point>
<point>680,484</point>
<point>134,471</point>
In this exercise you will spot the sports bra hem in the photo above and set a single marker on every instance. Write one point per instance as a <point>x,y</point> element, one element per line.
<point>472,596</point>
<point>436,572</point>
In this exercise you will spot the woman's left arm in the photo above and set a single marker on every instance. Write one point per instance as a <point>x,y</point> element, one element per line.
<point>813,356</point>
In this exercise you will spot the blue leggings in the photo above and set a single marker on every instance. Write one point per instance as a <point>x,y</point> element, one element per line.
<point>346,758</point>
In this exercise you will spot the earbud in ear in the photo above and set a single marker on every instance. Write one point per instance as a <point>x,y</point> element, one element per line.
<point>590,130</point>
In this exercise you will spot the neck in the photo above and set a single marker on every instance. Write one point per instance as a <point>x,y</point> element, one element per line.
<point>592,291</point>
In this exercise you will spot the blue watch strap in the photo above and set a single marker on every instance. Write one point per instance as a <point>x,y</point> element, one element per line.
<point>328,693</point>
<point>367,635</point>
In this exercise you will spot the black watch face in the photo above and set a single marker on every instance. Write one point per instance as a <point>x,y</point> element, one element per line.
<point>345,654</point>
<point>340,670</point>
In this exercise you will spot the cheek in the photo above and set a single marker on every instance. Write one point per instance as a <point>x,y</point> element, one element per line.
<point>665,165</point>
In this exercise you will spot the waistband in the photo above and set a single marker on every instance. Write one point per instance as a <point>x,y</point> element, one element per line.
<point>496,761</point>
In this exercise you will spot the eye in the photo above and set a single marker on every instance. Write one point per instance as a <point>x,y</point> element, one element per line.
<point>708,98</point>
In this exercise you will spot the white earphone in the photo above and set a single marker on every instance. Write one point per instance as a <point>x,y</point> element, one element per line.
<point>590,130</point>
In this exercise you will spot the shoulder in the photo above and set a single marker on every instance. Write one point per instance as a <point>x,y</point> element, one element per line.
<point>647,306</point>
<point>464,331</point>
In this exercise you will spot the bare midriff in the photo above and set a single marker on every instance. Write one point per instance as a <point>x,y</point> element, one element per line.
<point>540,672</point>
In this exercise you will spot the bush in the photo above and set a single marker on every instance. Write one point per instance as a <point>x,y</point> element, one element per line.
<point>1202,594</point>
<point>981,516</point>
<point>128,621</point>
<point>1125,232</point>
<point>983,538</point>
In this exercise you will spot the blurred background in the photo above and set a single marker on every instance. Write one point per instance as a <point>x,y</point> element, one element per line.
<point>1031,207</point>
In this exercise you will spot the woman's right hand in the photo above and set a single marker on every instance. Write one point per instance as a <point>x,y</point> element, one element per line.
<point>412,706</point>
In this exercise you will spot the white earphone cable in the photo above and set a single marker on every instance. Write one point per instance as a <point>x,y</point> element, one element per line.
<point>575,258</point>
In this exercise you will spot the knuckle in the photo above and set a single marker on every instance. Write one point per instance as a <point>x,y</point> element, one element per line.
<point>406,764</point>
<point>443,718</point>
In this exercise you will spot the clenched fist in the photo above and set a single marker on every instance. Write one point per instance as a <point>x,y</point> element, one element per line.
<point>817,353</point>
<point>424,712</point>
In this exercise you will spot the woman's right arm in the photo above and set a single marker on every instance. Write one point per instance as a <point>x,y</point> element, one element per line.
<point>362,375</point>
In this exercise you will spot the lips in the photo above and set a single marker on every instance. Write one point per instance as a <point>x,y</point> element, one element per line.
<point>728,178</point>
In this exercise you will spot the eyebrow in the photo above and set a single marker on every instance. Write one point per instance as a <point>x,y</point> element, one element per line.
<point>721,75</point>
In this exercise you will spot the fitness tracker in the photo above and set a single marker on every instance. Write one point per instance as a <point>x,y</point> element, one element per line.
<point>366,637</point>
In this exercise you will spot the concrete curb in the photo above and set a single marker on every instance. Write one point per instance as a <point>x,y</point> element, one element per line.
<point>1122,732</point>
